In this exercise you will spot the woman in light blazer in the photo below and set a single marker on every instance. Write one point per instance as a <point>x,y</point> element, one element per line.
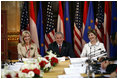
<point>94,48</point>
<point>27,49</point>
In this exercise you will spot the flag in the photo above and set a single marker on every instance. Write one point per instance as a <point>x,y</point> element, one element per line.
<point>40,29</point>
<point>89,22</point>
<point>84,20</point>
<point>99,21</point>
<point>24,24</point>
<point>60,21</point>
<point>113,44</point>
<point>77,31</point>
<point>50,28</point>
<point>67,23</point>
<point>107,25</point>
<point>33,28</point>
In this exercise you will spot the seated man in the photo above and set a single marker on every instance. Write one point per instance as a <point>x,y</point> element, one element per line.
<point>108,66</point>
<point>112,70</point>
<point>106,61</point>
<point>61,47</point>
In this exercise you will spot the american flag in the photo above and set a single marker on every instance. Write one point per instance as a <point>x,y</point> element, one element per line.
<point>50,29</point>
<point>77,30</point>
<point>99,21</point>
<point>24,25</point>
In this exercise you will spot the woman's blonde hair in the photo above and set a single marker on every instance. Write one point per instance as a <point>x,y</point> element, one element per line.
<point>23,35</point>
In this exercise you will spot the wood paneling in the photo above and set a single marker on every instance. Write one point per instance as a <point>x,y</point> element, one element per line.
<point>4,41</point>
<point>11,20</point>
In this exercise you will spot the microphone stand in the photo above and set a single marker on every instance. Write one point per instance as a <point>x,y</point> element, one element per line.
<point>89,66</point>
<point>29,50</point>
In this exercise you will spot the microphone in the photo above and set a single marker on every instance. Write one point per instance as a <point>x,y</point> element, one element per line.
<point>31,48</point>
<point>28,50</point>
<point>102,52</point>
<point>90,53</point>
<point>96,54</point>
<point>99,49</point>
<point>21,60</point>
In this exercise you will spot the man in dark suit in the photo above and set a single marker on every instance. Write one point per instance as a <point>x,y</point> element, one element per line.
<point>61,47</point>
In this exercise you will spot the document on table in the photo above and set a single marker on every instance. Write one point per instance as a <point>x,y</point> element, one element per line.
<point>61,58</point>
<point>78,60</point>
<point>70,76</point>
<point>77,65</point>
<point>75,70</point>
<point>16,66</point>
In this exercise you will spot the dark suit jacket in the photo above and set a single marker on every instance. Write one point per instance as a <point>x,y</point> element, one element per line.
<point>66,49</point>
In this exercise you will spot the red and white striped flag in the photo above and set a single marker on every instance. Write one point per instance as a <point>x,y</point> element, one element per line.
<point>107,26</point>
<point>77,31</point>
<point>24,19</point>
<point>60,22</point>
<point>33,28</point>
<point>50,28</point>
<point>99,21</point>
<point>84,20</point>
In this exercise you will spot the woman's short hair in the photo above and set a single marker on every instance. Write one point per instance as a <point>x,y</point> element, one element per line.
<point>23,35</point>
<point>92,31</point>
<point>59,33</point>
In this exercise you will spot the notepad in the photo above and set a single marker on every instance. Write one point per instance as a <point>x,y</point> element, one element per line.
<point>77,65</point>
<point>78,60</point>
<point>70,76</point>
<point>16,66</point>
<point>74,70</point>
<point>61,58</point>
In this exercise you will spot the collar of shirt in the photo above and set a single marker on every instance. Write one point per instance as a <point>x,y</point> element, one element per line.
<point>97,43</point>
<point>59,45</point>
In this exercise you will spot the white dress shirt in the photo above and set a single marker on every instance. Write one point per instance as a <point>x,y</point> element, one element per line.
<point>93,51</point>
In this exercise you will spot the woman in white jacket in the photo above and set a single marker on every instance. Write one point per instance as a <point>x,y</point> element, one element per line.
<point>94,48</point>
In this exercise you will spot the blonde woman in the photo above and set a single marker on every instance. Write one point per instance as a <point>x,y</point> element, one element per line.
<point>27,49</point>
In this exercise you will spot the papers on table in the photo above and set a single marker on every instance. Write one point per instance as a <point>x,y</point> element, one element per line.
<point>76,67</point>
<point>70,76</point>
<point>61,58</point>
<point>107,76</point>
<point>29,59</point>
<point>78,60</point>
<point>74,70</point>
<point>16,66</point>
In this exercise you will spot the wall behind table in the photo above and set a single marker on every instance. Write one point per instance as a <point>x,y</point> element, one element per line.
<point>13,26</point>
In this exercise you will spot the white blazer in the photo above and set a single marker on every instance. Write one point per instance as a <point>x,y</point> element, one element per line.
<point>95,51</point>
